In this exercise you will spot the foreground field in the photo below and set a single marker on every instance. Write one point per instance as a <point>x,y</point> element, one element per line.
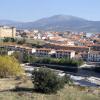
<point>24,92</point>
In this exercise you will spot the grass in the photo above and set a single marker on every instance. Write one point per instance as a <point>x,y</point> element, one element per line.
<point>40,42</point>
<point>29,41</point>
<point>24,92</point>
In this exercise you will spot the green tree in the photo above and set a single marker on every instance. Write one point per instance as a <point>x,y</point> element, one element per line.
<point>23,41</point>
<point>8,39</point>
<point>3,51</point>
<point>26,57</point>
<point>47,81</point>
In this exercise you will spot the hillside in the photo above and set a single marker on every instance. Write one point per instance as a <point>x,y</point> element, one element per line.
<point>57,23</point>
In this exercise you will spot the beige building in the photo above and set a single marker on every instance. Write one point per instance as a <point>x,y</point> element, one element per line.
<point>6,31</point>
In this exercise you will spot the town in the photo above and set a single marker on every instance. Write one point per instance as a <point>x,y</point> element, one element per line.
<point>85,46</point>
<point>78,46</point>
<point>49,50</point>
<point>73,56</point>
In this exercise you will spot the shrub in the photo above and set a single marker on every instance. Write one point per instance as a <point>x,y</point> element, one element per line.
<point>21,42</point>
<point>47,81</point>
<point>60,61</point>
<point>17,55</point>
<point>7,39</point>
<point>3,51</point>
<point>67,79</point>
<point>9,66</point>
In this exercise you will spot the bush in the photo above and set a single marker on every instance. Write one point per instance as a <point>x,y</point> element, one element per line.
<point>47,81</point>
<point>17,55</point>
<point>9,66</point>
<point>3,51</point>
<point>21,42</point>
<point>68,80</point>
<point>8,39</point>
<point>60,61</point>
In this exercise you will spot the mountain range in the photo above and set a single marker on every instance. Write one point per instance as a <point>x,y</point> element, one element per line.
<point>57,23</point>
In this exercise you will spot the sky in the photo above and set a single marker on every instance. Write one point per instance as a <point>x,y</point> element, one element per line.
<point>31,10</point>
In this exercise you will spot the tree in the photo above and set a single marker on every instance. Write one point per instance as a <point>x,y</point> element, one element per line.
<point>47,81</point>
<point>8,39</point>
<point>9,66</point>
<point>26,57</point>
<point>21,42</point>
<point>3,51</point>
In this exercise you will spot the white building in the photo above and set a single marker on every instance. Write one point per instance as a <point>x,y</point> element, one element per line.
<point>94,56</point>
<point>41,52</point>
<point>44,52</point>
<point>65,53</point>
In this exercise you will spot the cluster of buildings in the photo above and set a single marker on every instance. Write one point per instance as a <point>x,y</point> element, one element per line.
<point>39,52</point>
<point>78,45</point>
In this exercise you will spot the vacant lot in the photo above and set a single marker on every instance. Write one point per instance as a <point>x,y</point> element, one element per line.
<point>24,91</point>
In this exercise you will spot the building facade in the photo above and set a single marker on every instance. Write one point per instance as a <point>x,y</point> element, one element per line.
<point>41,52</point>
<point>44,52</point>
<point>7,32</point>
<point>65,53</point>
<point>94,56</point>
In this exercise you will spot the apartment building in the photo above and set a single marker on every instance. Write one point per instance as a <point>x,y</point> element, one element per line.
<point>6,31</point>
<point>94,56</point>
<point>41,52</point>
<point>44,52</point>
<point>65,53</point>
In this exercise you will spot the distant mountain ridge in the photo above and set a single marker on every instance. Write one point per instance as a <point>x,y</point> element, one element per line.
<point>57,23</point>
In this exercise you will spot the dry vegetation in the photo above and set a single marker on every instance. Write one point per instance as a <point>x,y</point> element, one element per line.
<point>24,92</point>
